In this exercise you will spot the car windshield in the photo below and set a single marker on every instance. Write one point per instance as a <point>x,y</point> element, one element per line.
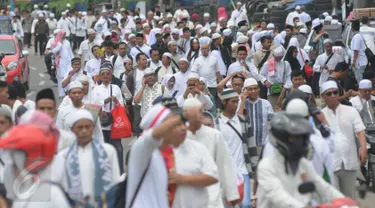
<point>7,46</point>
<point>5,27</point>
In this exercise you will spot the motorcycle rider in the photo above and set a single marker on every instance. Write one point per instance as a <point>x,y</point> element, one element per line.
<point>281,173</point>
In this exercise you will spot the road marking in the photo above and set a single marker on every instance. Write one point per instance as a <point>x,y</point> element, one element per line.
<point>41,75</point>
<point>30,93</point>
<point>33,68</point>
<point>42,83</point>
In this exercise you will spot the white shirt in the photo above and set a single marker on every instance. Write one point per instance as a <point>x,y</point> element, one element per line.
<point>281,74</point>
<point>238,16</point>
<point>29,104</point>
<point>290,17</point>
<point>164,71</point>
<point>138,80</point>
<point>234,142</point>
<point>321,60</point>
<point>277,189</point>
<point>207,67</point>
<point>193,158</point>
<point>368,34</point>
<point>72,25</point>
<point>358,44</point>
<point>181,80</point>
<point>64,25</point>
<point>236,67</point>
<point>87,168</point>
<point>154,65</point>
<point>222,66</point>
<point>345,122</point>
<point>213,140</point>
<point>178,15</point>
<point>85,50</point>
<point>89,19</point>
<point>81,25</point>
<point>144,48</point>
<point>358,102</point>
<point>202,97</point>
<point>92,67</point>
<point>118,67</point>
<point>153,190</point>
<point>304,17</point>
<point>102,92</point>
<point>52,25</point>
<point>66,56</point>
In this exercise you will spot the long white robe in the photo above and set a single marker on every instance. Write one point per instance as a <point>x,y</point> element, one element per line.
<point>213,140</point>
<point>66,56</point>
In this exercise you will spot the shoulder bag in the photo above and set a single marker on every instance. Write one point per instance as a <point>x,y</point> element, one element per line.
<point>108,118</point>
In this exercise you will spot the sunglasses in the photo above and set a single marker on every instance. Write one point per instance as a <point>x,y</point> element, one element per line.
<point>329,94</point>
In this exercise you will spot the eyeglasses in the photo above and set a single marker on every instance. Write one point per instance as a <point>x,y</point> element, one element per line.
<point>329,94</point>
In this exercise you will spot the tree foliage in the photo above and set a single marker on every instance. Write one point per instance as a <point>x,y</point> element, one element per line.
<point>60,5</point>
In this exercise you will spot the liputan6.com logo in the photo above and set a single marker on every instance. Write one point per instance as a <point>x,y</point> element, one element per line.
<point>26,183</point>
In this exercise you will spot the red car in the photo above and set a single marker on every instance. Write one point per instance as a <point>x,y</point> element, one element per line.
<point>15,60</point>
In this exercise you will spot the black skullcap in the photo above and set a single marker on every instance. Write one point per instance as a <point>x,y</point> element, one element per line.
<point>12,92</point>
<point>341,66</point>
<point>46,93</point>
<point>75,59</point>
<point>368,75</point>
<point>139,35</point>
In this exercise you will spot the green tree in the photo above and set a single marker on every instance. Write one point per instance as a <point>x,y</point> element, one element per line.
<point>60,5</point>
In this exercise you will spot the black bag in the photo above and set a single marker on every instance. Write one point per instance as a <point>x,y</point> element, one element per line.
<point>263,61</point>
<point>370,56</point>
<point>107,120</point>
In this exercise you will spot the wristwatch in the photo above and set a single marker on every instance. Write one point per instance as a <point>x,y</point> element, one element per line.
<point>182,117</point>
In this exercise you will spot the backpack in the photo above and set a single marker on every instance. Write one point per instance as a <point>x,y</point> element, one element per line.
<point>158,69</point>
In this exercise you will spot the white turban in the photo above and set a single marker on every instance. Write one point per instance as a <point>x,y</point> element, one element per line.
<point>278,51</point>
<point>250,82</point>
<point>167,54</point>
<point>190,103</point>
<point>78,115</point>
<point>204,40</point>
<point>365,84</point>
<point>329,85</point>
<point>184,59</point>
<point>270,26</point>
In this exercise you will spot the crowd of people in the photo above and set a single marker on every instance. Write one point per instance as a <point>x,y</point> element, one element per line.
<point>218,112</point>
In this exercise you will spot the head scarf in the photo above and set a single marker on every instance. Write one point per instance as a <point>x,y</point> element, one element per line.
<point>221,13</point>
<point>59,38</point>
<point>293,61</point>
<point>165,83</point>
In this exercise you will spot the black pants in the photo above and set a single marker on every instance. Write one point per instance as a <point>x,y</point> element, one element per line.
<point>315,83</point>
<point>263,90</point>
<point>116,143</point>
<point>213,92</point>
<point>41,40</point>
<point>73,41</point>
<point>27,39</point>
<point>136,120</point>
<point>78,41</point>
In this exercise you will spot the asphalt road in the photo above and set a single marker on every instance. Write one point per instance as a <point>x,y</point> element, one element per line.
<point>40,79</point>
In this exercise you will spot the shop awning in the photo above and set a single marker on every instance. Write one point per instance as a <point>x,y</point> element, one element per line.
<point>298,2</point>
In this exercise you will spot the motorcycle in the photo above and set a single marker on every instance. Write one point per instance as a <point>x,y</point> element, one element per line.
<point>309,188</point>
<point>50,61</point>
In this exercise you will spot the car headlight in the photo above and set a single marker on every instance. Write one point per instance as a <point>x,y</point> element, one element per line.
<point>12,65</point>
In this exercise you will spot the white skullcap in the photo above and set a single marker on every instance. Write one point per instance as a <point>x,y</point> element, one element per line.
<point>206,14</point>
<point>145,25</point>
<point>328,18</point>
<point>45,6</point>
<point>216,36</point>
<point>239,3</point>
<point>84,13</point>
<point>78,115</point>
<point>165,26</point>
<point>297,107</point>
<point>74,84</point>
<point>184,59</point>
<point>227,32</point>
<point>242,39</point>
<point>325,14</point>
<point>79,12</point>
<point>172,42</point>
<point>52,15</point>
<point>213,24</point>
<point>122,9</point>
<point>198,26</point>
<point>90,31</point>
<point>365,84</point>
<point>175,31</point>
<point>270,26</point>
<point>315,22</point>
<point>67,5</point>
<point>250,82</point>
<point>327,41</point>
<point>131,36</point>
<point>305,88</point>
<point>158,31</point>
<point>154,116</point>
<point>63,13</point>
<point>12,14</point>
<point>36,6</point>
<point>299,24</point>
<point>41,15</point>
<point>56,31</point>
<point>157,18</point>
<point>107,33</point>
<point>190,103</point>
<point>185,15</point>
<point>221,19</point>
<point>169,15</point>
<point>167,54</point>
<point>278,51</point>
<point>328,85</point>
<point>148,71</point>
<point>202,30</point>
<point>103,11</point>
<point>204,80</point>
<point>334,22</point>
<point>298,7</point>
<point>204,40</point>
<point>193,75</point>
<point>83,78</point>
<point>303,30</point>
<point>227,94</point>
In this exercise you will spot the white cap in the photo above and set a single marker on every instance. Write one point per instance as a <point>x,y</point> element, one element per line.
<point>315,22</point>
<point>329,85</point>
<point>250,82</point>
<point>206,14</point>
<point>84,13</point>
<point>213,24</point>
<point>297,107</point>
<point>227,32</point>
<point>198,26</point>
<point>68,5</point>
<point>193,75</point>
<point>36,6</point>
<point>75,84</point>
<point>221,19</point>
<point>169,15</point>
<point>185,15</point>
<point>166,25</point>
<point>202,30</point>
<point>45,6</point>
<point>242,39</point>
<point>122,9</point>
<point>239,3</point>
<point>131,36</point>
<point>270,26</point>
<point>328,18</point>
<point>158,31</point>
<point>216,36</point>
<point>305,88</point>
<point>40,14</point>
<point>325,14</point>
<point>303,30</point>
<point>175,31</point>
<point>150,12</point>
<point>299,24</point>
<point>52,15</point>
<point>154,116</point>
<point>103,11</point>
<point>327,41</point>
<point>90,31</point>
<point>107,33</point>
<point>145,25</point>
<point>184,59</point>
<point>167,54</point>
<point>12,14</point>
<point>365,84</point>
<point>148,71</point>
<point>190,103</point>
<point>250,32</point>
<point>278,51</point>
<point>298,7</point>
<point>157,18</point>
<point>56,31</point>
<point>334,22</point>
<point>78,115</point>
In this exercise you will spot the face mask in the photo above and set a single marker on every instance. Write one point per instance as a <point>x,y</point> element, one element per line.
<point>298,148</point>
